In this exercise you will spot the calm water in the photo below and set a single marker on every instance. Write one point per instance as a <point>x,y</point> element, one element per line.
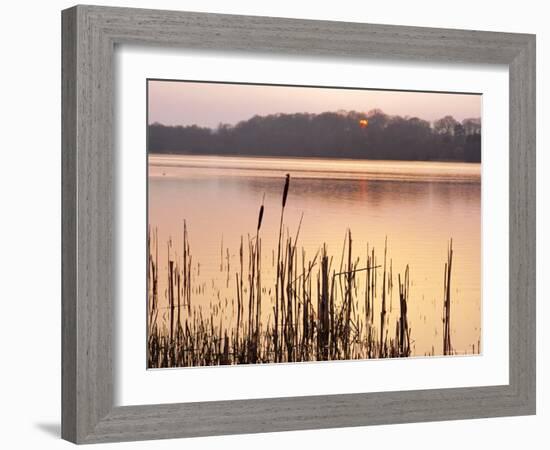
<point>418,206</point>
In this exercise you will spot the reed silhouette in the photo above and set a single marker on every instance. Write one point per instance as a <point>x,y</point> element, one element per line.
<point>318,312</point>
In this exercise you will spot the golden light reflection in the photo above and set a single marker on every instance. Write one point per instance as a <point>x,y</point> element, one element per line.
<point>219,199</point>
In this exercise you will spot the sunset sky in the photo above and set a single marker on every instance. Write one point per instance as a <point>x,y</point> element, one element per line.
<point>208,104</point>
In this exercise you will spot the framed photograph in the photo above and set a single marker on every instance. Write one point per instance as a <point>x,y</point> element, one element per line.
<point>263,230</point>
<point>279,224</point>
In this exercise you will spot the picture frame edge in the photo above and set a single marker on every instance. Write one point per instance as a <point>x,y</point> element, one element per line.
<point>89,35</point>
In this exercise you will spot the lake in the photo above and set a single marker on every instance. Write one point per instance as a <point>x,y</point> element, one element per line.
<point>417,206</point>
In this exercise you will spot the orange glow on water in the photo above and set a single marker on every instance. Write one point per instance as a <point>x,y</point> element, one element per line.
<point>417,206</point>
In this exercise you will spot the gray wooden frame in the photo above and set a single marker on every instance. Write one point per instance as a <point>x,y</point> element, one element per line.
<point>90,34</point>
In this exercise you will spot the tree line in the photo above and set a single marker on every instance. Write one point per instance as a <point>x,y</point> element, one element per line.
<point>341,134</point>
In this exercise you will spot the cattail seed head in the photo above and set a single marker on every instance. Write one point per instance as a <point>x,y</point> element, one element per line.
<point>260,216</point>
<point>285,191</point>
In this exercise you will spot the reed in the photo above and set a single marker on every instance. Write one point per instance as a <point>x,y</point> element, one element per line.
<point>402,337</point>
<point>447,347</point>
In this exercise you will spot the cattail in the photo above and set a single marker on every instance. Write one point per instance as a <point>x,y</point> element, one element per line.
<point>285,191</point>
<point>261,215</point>
<point>279,279</point>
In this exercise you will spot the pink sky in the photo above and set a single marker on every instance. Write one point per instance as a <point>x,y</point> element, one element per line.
<point>208,104</point>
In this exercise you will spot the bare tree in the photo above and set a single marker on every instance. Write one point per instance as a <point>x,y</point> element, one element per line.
<point>445,125</point>
<point>472,126</point>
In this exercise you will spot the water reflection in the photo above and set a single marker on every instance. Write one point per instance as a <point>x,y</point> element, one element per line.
<point>417,206</point>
